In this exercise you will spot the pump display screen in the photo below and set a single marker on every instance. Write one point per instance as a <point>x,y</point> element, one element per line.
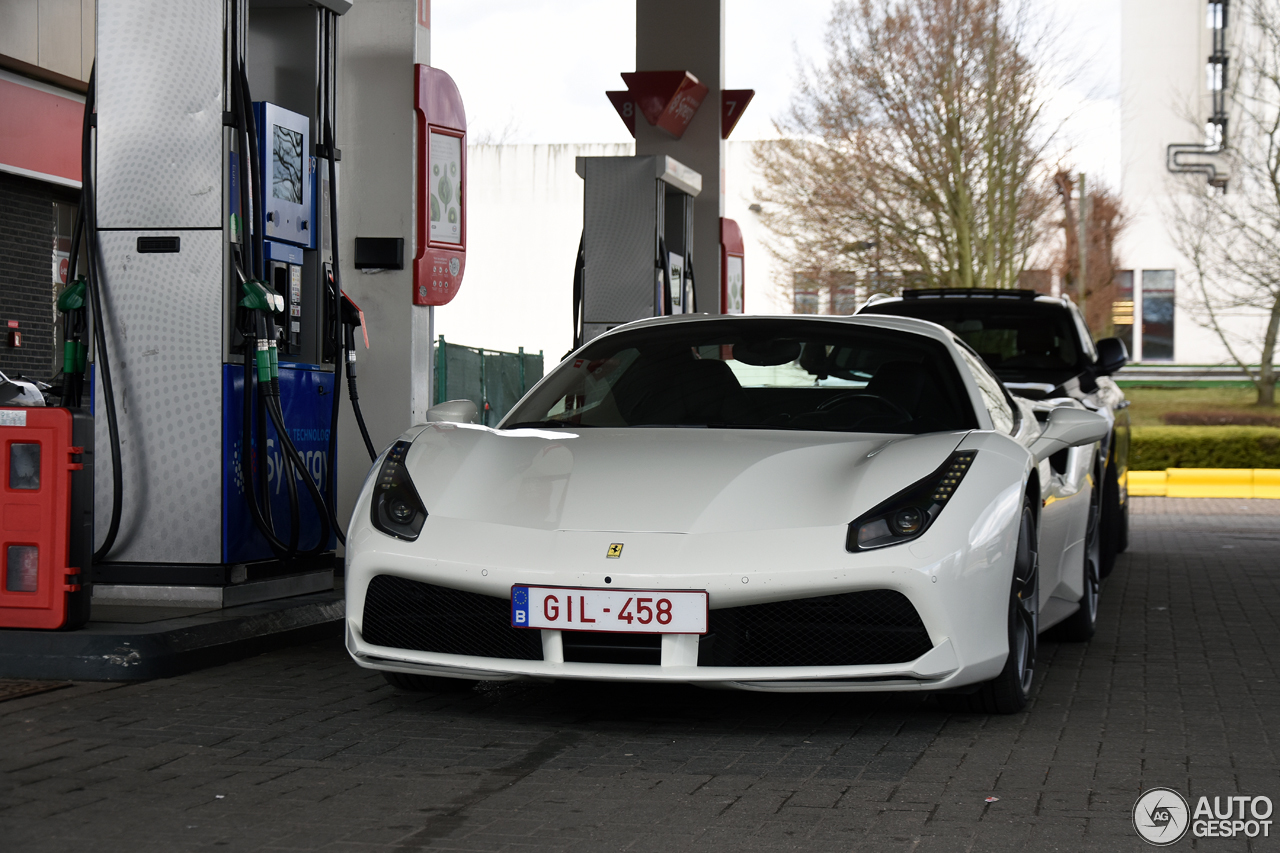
<point>286,164</point>
<point>445,184</point>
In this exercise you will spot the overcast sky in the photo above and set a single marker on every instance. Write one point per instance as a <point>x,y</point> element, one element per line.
<point>537,70</point>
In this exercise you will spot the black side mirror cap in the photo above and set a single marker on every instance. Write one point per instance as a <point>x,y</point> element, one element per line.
<point>1112,355</point>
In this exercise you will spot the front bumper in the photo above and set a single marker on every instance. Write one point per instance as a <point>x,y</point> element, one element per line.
<point>956,577</point>
<point>936,669</point>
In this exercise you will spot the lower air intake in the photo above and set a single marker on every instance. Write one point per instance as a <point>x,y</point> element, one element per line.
<point>610,647</point>
<point>405,614</point>
<point>877,626</point>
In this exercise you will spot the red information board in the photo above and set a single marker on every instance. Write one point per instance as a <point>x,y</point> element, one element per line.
<point>441,255</point>
<point>732,272</point>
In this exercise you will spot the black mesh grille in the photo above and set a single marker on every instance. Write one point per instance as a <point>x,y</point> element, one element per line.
<point>405,614</point>
<point>611,647</point>
<point>878,626</point>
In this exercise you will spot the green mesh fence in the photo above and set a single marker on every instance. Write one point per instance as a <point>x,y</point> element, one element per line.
<point>491,379</point>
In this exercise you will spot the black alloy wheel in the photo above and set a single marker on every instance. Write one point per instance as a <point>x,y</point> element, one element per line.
<point>1114,522</point>
<point>1010,691</point>
<point>1080,626</point>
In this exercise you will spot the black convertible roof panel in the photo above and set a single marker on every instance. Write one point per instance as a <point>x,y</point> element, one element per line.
<point>980,292</point>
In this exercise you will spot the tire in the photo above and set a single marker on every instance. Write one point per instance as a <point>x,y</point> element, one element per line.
<point>1009,692</point>
<point>1115,523</point>
<point>410,683</point>
<point>1122,536</point>
<point>1080,626</point>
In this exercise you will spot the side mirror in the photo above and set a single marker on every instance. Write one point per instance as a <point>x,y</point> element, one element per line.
<point>1112,355</point>
<point>454,411</point>
<point>1069,427</point>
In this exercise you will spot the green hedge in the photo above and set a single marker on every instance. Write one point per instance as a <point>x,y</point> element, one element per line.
<point>1155,448</point>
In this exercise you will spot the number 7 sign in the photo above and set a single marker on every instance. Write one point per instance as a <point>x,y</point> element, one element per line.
<point>733,102</point>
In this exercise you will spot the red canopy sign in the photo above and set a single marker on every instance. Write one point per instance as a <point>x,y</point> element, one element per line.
<point>667,99</point>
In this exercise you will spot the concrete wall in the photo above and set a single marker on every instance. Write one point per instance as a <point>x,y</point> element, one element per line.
<point>378,43</point>
<point>523,229</point>
<point>522,233</point>
<point>55,36</point>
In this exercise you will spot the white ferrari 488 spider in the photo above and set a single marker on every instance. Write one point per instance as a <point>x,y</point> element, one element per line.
<point>762,503</point>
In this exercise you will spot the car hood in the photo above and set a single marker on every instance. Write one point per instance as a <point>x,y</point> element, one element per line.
<point>664,480</point>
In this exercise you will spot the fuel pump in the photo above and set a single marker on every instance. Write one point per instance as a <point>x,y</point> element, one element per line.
<point>635,256</point>
<point>212,236</point>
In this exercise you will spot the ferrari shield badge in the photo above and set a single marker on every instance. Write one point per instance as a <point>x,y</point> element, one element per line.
<point>615,551</point>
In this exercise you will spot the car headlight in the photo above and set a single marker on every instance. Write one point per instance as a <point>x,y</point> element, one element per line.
<point>396,509</point>
<point>908,514</point>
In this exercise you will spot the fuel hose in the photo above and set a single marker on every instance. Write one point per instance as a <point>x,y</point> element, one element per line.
<point>88,207</point>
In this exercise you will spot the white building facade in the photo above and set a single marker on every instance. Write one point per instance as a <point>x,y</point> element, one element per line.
<point>523,226</point>
<point>1176,64</point>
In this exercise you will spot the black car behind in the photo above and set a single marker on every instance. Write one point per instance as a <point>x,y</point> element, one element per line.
<point>1040,348</point>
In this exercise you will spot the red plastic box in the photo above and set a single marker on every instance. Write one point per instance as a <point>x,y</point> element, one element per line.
<point>40,565</point>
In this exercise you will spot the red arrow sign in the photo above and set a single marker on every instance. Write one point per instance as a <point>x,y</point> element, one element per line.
<point>733,102</point>
<point>626,108</point>
<point>668,99</point>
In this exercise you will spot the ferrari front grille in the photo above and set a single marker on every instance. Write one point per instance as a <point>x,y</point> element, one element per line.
<point>404,614</point>
<point>878,626</point>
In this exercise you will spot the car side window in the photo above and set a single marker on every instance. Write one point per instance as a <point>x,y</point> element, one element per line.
<point>1086,338</point>
<point>993,393</point>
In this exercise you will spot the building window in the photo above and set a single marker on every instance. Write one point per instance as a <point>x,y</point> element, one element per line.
<point>808,294</point>
<point>1214,76</point>
<point>1157,315</point>
<point>844,294</point>
<point>1122,308</point>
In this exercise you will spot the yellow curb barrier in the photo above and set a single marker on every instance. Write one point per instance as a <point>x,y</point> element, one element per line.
<point>1209,483</point>
<point>1206,483</point>
<point>1147,484</point>
<point>1266,483</point>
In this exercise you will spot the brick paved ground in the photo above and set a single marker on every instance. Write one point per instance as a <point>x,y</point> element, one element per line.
<point>301,750</point>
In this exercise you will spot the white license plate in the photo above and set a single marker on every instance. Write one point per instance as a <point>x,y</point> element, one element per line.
<point>633,611</point>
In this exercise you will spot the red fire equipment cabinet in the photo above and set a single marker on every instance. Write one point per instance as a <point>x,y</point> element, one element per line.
<point>732,254</point>
<point>46,517</point>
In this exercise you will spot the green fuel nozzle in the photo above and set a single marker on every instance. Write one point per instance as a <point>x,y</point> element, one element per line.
<point>259,297</point>
<point>73,295</point>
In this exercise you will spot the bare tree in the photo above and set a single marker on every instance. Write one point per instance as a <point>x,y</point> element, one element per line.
<point>1232,239</point>
<point>921,138</point>
<point>1106,220</point>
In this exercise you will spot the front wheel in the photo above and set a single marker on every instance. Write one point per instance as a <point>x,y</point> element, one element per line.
<point>1115,522</point>
<point>1010,691</point>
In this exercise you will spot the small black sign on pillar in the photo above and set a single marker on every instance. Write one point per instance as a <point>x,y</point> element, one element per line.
<point>379,253</point>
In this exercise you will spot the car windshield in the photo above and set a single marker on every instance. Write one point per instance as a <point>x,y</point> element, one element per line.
<point>1023,340</point>
<point>754,373</point>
